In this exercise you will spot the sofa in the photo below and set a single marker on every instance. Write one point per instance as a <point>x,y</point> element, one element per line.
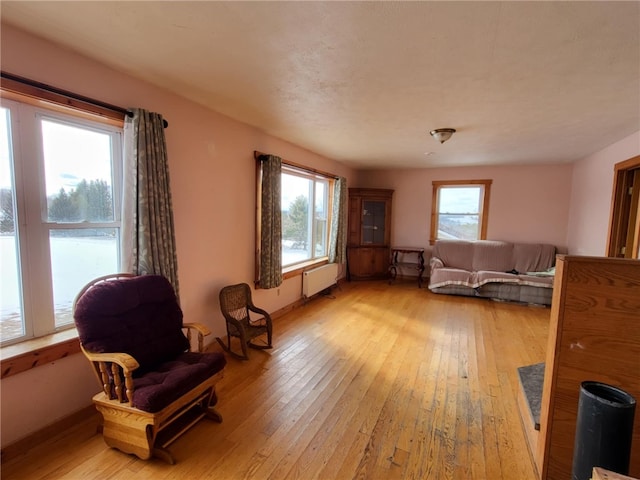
<point>517,272</point>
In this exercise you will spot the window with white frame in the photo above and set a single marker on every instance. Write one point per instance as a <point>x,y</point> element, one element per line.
<point>305,215</point>
<point>459,210</point>
<point>60,178</point>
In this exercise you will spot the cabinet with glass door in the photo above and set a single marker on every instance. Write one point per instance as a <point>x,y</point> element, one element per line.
<point>369,233</point>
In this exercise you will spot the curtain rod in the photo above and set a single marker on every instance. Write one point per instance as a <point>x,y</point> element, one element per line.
<point>69,95</point>
<point>257,154</point>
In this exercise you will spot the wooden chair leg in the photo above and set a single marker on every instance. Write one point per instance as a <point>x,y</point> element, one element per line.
<point>164,455</point>
<point>227,348</point>
<point>243,343</point>
<point>213,414</point>
<point>261,347</point>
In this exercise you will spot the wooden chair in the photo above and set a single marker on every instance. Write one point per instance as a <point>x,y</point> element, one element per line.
<point>236,306</point>
<point>154,387</point>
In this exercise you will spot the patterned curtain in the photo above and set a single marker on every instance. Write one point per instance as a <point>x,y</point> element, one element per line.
<point>149,245</point>
<point>338,239</point>
<point>270,223</point>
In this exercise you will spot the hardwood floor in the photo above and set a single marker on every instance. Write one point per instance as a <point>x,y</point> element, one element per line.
<point>380,382</point>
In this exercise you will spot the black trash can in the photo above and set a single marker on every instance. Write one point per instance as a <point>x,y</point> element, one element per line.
<point>603,430</point>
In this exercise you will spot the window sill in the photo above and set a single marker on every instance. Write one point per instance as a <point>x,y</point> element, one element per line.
<point>30,354</point>
<point>297,269</point>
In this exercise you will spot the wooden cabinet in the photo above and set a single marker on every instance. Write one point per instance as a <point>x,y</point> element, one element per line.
<point>594,335</point>
<point>368,262</point>
<point>369,234</point>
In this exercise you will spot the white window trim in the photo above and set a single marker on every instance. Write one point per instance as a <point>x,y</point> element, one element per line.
<point>484,204</point>
<point>329,182</point>
<point>31,209</point>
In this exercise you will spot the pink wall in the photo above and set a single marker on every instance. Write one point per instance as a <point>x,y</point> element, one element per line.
<point>591,196</point>
<point>212,177</point>
<point>527,204</point>
<point>212,172</point>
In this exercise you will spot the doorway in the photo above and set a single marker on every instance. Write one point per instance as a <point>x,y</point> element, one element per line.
<point>624,229</point>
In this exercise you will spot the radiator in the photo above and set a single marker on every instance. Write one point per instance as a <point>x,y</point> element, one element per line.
<point>317,279</point>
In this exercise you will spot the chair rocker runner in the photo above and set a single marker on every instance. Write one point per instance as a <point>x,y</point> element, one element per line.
<point>154,387</point>
<point>236,306</point>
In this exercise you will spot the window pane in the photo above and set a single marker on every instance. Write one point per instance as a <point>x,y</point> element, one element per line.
<point>461,227</point>
<point>305,217</point>
<point>11,314</point>
<point>459,200</point>
<point>78,256</point>
<point>320,230</point>
<point>296,192</point>
<point>459,216</point>
<point>77,173</point>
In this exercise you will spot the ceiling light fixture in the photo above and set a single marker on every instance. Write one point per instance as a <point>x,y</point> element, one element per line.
<point>442,134</point>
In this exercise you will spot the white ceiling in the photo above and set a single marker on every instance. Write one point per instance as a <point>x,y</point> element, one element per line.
<point>364,82</point>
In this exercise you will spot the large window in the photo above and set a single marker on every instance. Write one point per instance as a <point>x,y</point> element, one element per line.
<point>59,214</point>
<point>305,216</point>
<point>459,210</point>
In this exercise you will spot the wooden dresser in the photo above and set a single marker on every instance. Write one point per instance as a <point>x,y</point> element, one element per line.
<point>594,334</point>
<point>602,474</point>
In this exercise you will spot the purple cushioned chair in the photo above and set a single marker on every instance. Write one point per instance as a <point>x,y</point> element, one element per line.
<point>131,330</point>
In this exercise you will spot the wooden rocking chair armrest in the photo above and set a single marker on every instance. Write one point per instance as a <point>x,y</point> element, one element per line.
<point>123,360</point>
<point>115,388</point>
<point>201,331</point>
<point>260,311</point>
<point>200,328</point>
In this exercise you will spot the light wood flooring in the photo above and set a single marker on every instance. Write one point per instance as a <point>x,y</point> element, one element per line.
<point>376,382</point>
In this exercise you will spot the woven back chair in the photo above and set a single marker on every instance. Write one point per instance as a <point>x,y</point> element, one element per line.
<point>237,307</point>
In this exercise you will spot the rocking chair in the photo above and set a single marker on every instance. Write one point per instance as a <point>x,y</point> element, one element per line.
<point>155,386</point>
<point>236,306</point>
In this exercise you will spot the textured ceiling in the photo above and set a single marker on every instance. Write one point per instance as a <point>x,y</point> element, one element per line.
<point>364,82</point>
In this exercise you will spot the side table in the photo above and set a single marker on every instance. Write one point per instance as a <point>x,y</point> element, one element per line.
<point>406,257</point>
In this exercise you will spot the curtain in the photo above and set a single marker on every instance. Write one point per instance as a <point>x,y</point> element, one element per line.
<point>148,235</point>
<point>270,273</point>
<point>338,239</point>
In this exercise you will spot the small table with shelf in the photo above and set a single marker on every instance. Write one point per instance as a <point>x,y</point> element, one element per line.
<point>406,257</point>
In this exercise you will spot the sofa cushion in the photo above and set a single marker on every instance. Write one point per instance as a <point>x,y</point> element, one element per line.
<point>451,276</point>
<point>533,257</point>
<point>145,321</point>
<point>536,281</point>
<point>489,276</point>
<point>454,253</point>
<point>484,277</point>
<point>516,293</point>
<point>492,255</point>
<point>155,390</point>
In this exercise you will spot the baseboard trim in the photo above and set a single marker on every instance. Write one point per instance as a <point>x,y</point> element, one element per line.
<point>301,302</point>
<point>23,445</point>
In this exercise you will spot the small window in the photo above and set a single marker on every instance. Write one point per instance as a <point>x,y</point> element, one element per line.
<point>459,210</point>
<point>305,216</point>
